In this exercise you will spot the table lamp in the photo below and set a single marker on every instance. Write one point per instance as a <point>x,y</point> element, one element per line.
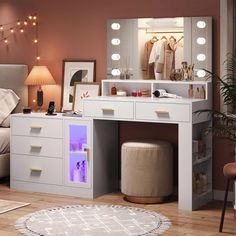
<point>39,75</point>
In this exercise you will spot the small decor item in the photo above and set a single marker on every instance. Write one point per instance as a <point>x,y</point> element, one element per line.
<point>187,71</point>
<point>75,71</point>
<point>176,75</point>
<point>101,220</point>
<point>190,91</point>
<point>84,90</point>
<point>121,93</point>
<point>51,108</point>
<point>26,110</point>
<point>202,93</point>
<point>113,90</point>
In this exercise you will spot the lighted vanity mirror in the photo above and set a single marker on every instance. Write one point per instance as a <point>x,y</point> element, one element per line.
<point>154,48</point>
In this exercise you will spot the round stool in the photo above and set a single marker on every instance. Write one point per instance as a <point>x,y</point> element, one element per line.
<point>146,171</point>
<point>229,171</point>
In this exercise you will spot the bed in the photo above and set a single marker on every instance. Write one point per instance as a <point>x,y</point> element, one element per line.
<point>11,80</point>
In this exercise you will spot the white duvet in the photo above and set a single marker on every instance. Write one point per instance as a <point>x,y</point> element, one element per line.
<point>8,101</point>
<point>4,140</point>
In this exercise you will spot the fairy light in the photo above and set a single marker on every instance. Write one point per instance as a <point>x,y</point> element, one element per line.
<point>30,22</point>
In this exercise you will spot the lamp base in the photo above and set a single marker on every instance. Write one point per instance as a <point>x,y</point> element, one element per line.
<point>39,98</point>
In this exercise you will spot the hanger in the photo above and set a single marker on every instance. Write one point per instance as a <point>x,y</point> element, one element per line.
<point>164,38</point>
<point>172,38</point>
<point>154,39</point>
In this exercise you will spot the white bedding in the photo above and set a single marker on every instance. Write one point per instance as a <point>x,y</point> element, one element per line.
<point>4,140</point>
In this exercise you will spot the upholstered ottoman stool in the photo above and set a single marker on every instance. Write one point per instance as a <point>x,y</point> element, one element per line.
<point>146,171</point>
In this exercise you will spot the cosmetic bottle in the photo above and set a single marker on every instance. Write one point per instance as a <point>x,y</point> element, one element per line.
<point>202,93</point>
<point>76,172</point>
<point>190,91</point>
<point>83,172</point>
<point>113,90</point>
<point>197,94</point>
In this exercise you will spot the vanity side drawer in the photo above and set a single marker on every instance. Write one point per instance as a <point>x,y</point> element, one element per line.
<point>36,127</point>
<point>36,146</point>
<point>162,112</point>
<point>109,109</point>
<point>36,169</point>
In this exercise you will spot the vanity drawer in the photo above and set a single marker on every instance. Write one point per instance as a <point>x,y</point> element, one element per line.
<point>36,127</point>
<point>36,146</point>
<point>36,169</point>
<point>163,111</point>
<point>109,109</point>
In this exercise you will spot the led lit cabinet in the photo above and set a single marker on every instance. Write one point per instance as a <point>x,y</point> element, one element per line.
<point>55,154</point>
<point>78,153</point>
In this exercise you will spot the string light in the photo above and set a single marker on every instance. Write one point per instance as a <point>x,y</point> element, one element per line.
<point>19,26</point>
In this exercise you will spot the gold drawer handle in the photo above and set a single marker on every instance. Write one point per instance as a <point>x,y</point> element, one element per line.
<point>162,112</point>
<point>107,109</point>
<point>33,169</point>
<point>88,154</point>
<point>36,127</point>
<point>35,146</point>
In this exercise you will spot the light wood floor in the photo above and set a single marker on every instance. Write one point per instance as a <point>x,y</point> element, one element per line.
<point>204,222</point>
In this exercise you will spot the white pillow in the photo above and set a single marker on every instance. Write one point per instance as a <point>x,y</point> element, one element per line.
<point>8,102</point>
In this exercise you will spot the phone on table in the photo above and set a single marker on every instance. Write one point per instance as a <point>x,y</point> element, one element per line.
<point>51,108</point>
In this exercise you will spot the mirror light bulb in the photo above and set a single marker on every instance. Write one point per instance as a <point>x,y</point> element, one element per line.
<point>5,40</point>
<point>201,24</point>
<point>115,72</point>
<point>115,57</point>
<point>115,41</point>
<point>11,30</point>
<point>201,41</point>
<point>1,27</point>
<point>115,26</point>
<point>201,57</point>
<point>201,73</point>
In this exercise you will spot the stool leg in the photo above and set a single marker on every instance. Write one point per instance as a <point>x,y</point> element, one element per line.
<point>224,206</point>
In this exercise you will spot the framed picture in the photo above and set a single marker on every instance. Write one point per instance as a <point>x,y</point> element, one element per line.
<point>74,72</point>
<point>84,90</point>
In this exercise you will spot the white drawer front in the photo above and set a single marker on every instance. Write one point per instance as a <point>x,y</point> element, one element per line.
<point>109,109</point>
<point>36,169</point>
<point>36,146</point>
<point>162,112</point>
<point>36,127</point>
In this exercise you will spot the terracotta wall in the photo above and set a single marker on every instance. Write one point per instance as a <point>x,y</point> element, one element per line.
<point>76,29</point>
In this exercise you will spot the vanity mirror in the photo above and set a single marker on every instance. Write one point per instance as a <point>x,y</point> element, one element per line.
<point>154,48</point>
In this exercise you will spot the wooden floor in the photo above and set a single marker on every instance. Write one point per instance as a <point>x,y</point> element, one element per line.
<point>204,222</point>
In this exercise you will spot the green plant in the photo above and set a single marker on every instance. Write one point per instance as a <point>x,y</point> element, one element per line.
<point>225,122</point>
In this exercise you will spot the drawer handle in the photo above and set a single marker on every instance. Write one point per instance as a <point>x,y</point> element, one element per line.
<point>36,127</point>
<point>107,109</point>
<point>162,112</point>
<point>33,169</point>
<point>88,154</point>
<point>35,146</point>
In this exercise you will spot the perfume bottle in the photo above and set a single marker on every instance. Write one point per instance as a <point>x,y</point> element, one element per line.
<point>113,90</point>
<point>76,172</point>
<point>83,172</point>
<point>190,91</point>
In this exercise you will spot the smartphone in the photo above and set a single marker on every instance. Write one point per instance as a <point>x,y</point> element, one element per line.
<point>51,107</point>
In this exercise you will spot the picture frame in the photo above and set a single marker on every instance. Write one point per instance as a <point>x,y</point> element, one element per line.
<point>75,71</point>
<point>84,90</point>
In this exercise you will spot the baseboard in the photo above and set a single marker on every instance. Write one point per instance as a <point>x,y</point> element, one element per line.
<point>219,195</point>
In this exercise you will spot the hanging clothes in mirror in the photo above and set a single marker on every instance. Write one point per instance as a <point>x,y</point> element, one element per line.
<point>146,67</point>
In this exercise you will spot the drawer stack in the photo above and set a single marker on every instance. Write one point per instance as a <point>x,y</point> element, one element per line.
<point>37,150</point>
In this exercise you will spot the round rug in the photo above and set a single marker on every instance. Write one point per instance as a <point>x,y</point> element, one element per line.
<point>90,220</point>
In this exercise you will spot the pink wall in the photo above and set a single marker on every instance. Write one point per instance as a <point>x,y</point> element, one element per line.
<point>76,29</point>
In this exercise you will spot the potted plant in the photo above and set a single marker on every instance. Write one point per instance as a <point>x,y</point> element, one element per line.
<point>225,122</point>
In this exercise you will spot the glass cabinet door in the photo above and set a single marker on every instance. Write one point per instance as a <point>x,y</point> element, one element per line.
<point>77,153</point>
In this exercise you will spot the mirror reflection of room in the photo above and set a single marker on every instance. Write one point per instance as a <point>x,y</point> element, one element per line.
<point>161,43</point>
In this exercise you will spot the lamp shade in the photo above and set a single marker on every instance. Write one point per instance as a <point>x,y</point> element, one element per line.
<point>39,75</point>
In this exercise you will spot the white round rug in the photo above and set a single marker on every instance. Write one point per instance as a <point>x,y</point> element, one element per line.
<point>90,220</point>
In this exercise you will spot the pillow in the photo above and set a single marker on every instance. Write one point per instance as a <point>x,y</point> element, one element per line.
<point>8,102</point>
<point>6,122</point>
